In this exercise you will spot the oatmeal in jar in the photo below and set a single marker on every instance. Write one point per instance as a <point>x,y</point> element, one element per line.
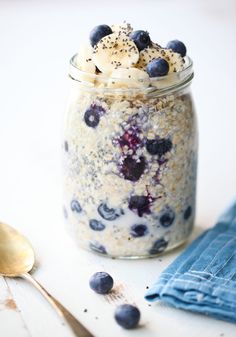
<point>130,144</point>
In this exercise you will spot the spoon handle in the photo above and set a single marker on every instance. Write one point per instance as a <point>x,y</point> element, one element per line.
<point>78,329</point>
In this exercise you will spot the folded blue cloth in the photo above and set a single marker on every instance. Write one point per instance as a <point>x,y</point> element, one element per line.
<point>203,277</point>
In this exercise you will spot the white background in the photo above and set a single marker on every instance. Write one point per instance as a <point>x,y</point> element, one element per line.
<point>37,38</point>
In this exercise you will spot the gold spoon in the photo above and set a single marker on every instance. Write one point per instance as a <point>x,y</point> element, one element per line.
<point>17,259</point>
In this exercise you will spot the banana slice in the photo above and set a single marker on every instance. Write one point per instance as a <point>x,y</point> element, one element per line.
<point>176,62</point>
<point>156,45</point>
<point>84,59</point>
<point>123,28</point>
<point>128,78</point>
<point>114,51</point>
<point>85,64</point>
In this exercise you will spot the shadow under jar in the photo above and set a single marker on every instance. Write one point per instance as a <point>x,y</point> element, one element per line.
<point>130,161</point>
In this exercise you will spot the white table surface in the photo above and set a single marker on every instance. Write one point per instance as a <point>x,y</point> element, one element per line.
<point>37,39</point>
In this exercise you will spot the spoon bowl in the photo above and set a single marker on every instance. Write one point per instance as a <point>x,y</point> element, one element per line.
<point>16,253</point>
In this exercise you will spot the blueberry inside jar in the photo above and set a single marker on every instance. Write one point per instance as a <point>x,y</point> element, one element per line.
<point>130,172</point>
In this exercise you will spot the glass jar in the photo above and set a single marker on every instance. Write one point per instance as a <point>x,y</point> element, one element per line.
<point>130,159</point>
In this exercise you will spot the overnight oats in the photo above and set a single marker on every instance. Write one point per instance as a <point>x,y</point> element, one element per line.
<point>130,144</point>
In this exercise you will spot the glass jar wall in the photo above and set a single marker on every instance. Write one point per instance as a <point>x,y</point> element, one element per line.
<point>129,163</point>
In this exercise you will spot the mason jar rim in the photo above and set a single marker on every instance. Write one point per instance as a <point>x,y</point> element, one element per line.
<point>170,82</point>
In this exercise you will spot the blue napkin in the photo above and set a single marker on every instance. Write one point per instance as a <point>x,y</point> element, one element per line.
<point>203,277</point>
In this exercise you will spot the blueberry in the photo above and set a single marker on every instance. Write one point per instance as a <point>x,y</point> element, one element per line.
<point>177,46</point>
<point>75,206</point>
<point>159,246</point>
<point>167,217</point>
<point>140,203</point>
<point>132,169</point>
<point>131,139</point>
<point>96,225</point>
<point>109,213</point>
<point>91,117</point>
<point>127,316</point>
<point>98,33</point>
<point>141,39</point>
<point>97,247</point>
<point>66,146</point>
<point>138,230</point>
<point>101,282</point>
<point>187,213</point>
<point>158,146</point>
<point>157,67</point>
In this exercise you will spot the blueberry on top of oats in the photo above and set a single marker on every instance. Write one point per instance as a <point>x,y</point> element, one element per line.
<point>141,39</point>
<point>98,33</point>
<point>177,46</point>
<point>158,67</point>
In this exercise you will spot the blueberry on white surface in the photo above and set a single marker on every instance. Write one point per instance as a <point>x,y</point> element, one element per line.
<point>141,39</point>
<point>158,67</point>
<point>101,282</point>
<point>127,316</point>
<point>98,33</point>
<point>177,46</point>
